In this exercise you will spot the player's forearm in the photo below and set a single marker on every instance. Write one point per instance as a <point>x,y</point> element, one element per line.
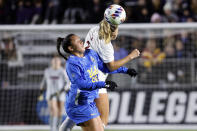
<point>114,65</point>
<point>105,69</point>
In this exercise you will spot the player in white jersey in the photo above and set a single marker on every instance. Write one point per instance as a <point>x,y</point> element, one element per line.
<point>56,81</point>
<point>99,39</point>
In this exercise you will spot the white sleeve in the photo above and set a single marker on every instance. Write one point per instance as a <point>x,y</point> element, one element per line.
<point>106,52</point>
<point>88,40</point>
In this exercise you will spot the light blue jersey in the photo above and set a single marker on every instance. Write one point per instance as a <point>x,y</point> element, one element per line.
<point>83,74</point>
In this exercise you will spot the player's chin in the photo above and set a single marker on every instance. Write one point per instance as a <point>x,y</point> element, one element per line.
<point>83,49</point>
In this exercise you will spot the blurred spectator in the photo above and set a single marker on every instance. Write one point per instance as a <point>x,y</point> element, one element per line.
<point>151,60</point>
<point>169,51</point>
<point>136,44</point>
<point>172,71</point>
<point>2,12</point>
<point>143,12</point>
<point>95,8</point>
<point>75,13</point>
<point>10,52</point>
<point>180,52</point>
<point>169,15</point>
<point>24,12</point>
<point>185,14</point>
<point>51,12</point>
<point>156,18</point>
<point>190,19</point>
<point>193,7</point>
<point>119,52</point>
<point>156,6</point>
<point>118,2</point>
<point>169,40</point>
<point>1,49</point>
<point>38,9</point>
<point>151,56</point>
<point>11,60</point>
<point>188,45</point>
<point>2,65</point>
<point>177,6</point>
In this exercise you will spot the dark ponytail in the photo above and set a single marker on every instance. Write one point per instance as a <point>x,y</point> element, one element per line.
<point>65,43</point>
<point>59,41</point>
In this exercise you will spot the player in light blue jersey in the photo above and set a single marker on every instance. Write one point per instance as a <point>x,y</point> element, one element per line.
<point>82,68</point>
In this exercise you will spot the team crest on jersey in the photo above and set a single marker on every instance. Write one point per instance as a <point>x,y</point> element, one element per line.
<point>92,59</point>
<point>73,75</point>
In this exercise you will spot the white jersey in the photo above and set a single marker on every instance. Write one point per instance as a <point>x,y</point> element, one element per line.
<point>105,51</point>
<point>55,80</point>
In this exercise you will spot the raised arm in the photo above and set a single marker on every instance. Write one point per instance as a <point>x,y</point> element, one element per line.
<point>103,67</point>
<point>114,65</point>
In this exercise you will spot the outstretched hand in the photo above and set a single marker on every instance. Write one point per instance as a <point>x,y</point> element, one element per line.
<point>132,72</point>
<point>110,85</point>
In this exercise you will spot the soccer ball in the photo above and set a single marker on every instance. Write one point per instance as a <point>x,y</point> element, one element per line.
<point>115,14</point>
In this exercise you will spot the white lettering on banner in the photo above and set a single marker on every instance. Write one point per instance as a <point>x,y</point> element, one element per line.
<point>157,106</point>
<point>191,115</point>
<point>168,107</point>
<point>139,107</point>
<point>176,107</point>
<point>124,116</point>
<point>114,97</point>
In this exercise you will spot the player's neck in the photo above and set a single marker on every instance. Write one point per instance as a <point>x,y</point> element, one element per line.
<point>78,54</point>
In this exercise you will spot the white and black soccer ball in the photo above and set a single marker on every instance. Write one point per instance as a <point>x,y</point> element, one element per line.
<point>115,14</point>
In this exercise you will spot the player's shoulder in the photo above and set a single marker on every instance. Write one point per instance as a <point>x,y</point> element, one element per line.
<point>91,51</point>
<point>94,29</point>
<point>73,60</point>
<point>47,69</point>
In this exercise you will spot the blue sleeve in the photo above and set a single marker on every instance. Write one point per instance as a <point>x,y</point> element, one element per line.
<point>103,67</point>
<point>88,85</point>
<point>122,69</point>
<point>75,74</point>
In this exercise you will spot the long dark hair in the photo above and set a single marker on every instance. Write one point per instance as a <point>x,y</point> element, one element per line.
<point>65,43</point>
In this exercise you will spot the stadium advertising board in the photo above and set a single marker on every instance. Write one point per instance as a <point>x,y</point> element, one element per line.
<point>153,106</point>
<point>128,106</point>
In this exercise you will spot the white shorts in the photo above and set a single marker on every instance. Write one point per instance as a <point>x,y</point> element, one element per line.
<point>102,77</point>
<point>102,90</point>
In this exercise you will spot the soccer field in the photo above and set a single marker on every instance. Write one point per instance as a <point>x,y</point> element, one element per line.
<point>117,130</point>
<point>120,128</point>
<point>109,130</point>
